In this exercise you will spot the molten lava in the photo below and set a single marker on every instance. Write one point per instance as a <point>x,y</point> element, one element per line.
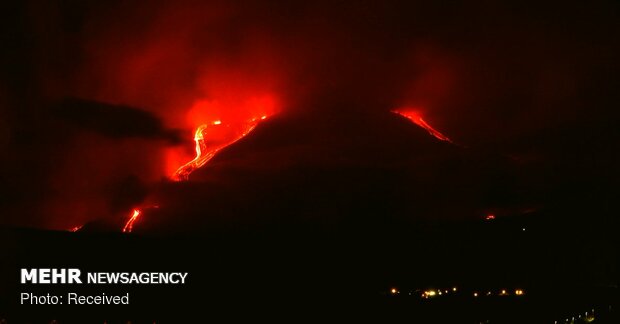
<point>129,225</point>
<point>415,117</point>
<point>210,138</point>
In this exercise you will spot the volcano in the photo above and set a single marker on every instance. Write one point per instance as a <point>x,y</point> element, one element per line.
<point>331,170</point>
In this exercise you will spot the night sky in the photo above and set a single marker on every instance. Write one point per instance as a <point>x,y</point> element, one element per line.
<point>98,102</point>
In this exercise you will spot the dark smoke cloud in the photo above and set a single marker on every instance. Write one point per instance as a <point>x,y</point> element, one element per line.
<point>115,121</point>
<point>80,160</point>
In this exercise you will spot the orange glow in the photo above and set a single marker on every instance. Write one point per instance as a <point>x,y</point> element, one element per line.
<point>416,117</point>
<point>490,217</point>
<point>394,291</point>
<point>129,225</point>
<point>518,292</point>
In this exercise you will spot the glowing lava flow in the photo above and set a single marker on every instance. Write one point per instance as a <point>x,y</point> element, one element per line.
<point>209,138</point>
<point>129,225</point>
<point>202,155</point>
<point>205,150</point>
<point>417,119</point>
